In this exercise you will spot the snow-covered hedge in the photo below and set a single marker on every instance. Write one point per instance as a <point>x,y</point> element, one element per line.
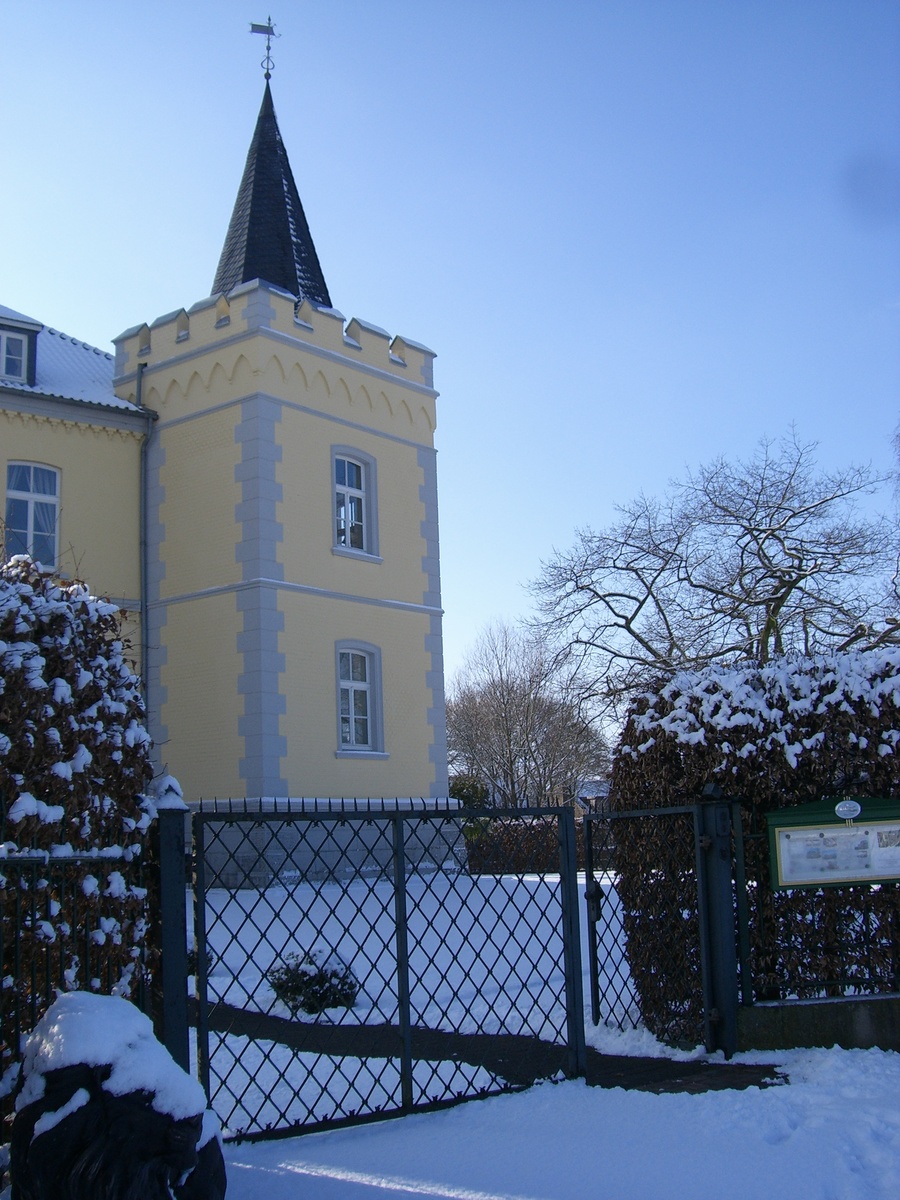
<point>830,722</point>
<point>74,764</point>
<point>774,736</point>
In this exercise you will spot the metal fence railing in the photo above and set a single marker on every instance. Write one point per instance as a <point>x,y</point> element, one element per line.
<point>446,966</point>
<point>684,925</point>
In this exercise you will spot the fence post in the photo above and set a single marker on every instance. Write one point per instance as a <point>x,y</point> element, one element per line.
<point>593,895</point>
<point>402,947</point>
<point>568,886</point>
<point>715,842</point>
<point>173,921</point>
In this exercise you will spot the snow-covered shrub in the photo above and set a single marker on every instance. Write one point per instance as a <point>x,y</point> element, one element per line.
<point>105,1113</point>
<point>312,982</point>
<point>774,736</point>
<point>74,764</point>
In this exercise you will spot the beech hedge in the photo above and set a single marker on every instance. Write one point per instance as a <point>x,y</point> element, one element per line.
<point>773,737</point>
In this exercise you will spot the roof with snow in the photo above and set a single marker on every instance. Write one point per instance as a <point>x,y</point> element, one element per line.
<point>64,367</point>
<point>9,316</point>
<point>268,237</point>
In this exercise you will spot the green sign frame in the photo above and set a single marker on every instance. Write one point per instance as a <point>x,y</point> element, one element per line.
<point>811,847</point>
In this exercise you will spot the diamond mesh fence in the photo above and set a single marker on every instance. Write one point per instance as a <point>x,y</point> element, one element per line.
<point>356,962</point>
<point>644,937</point>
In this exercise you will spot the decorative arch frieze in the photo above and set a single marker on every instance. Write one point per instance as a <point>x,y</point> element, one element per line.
<point>173,393</point>
<point>195,386</point>
<point>320,388</point>
<point>298,378</point>
<point>242,375</point>
<point>363,398</point>
<point>275,368</point>
<point>218,379</point>
<point>342,392</point>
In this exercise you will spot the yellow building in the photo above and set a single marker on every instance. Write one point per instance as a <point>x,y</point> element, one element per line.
<point>256,478</point>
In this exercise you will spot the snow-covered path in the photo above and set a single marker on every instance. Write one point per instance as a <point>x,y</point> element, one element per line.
<point>832,1134</point>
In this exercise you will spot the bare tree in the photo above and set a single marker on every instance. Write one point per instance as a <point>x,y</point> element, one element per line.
<point>518,725</point>
<point>740,561</point>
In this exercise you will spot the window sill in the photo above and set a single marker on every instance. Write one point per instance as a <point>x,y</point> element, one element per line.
<point>361,754</point>
<point>361,555</point>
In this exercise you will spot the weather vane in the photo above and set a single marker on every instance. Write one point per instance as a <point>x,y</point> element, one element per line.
<point>268,31</point>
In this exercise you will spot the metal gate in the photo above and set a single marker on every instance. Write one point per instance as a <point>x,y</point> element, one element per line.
<point>446,965</point>
<point>665,921</point>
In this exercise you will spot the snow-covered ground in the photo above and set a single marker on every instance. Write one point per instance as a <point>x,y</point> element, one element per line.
<point>833,1133</point>
<point>485,956</point>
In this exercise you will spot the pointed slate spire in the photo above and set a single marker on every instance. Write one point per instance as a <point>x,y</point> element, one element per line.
<point>268,237</point>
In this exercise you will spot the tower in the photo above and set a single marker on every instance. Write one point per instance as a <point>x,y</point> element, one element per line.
<point>293,620</point>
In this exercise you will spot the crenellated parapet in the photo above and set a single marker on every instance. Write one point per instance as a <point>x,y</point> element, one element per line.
<point>257,329</point>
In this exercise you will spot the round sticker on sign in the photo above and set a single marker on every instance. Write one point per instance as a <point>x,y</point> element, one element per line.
<point>847,809</point>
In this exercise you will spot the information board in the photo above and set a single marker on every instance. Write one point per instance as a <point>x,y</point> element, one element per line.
<point>812,855</point>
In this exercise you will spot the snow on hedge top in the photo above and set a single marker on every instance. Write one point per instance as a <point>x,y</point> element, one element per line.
<point>759,708</point>
<point>107,1031</point>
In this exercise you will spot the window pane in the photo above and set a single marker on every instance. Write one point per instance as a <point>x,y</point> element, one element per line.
<point>18,477</point>
<point>43,550</point>
<point>355,727</point>
<point>44,481</point>
<point>340,520</point>
<point>16,541</point>
<point>15,356</point>
<point>17,518</point>
<point>354,475</point>
<point>340,470</point>
<point>44,518</point>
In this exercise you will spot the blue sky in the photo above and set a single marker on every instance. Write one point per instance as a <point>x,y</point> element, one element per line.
<point>638,233</point>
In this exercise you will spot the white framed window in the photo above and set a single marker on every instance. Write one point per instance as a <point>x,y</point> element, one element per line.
<point>355,522</point>
<point>32,512</point>
<point>13,355</point>
<point>349,504</point>
<point>359,699</point>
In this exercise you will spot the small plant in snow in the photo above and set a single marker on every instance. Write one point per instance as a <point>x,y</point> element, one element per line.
<point>312,982</point>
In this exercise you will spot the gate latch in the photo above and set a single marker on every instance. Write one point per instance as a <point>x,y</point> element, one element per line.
<point>594,896</point>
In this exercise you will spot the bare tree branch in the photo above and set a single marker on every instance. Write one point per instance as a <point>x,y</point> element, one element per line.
<point>740,560</point>
<point>519,724</point>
